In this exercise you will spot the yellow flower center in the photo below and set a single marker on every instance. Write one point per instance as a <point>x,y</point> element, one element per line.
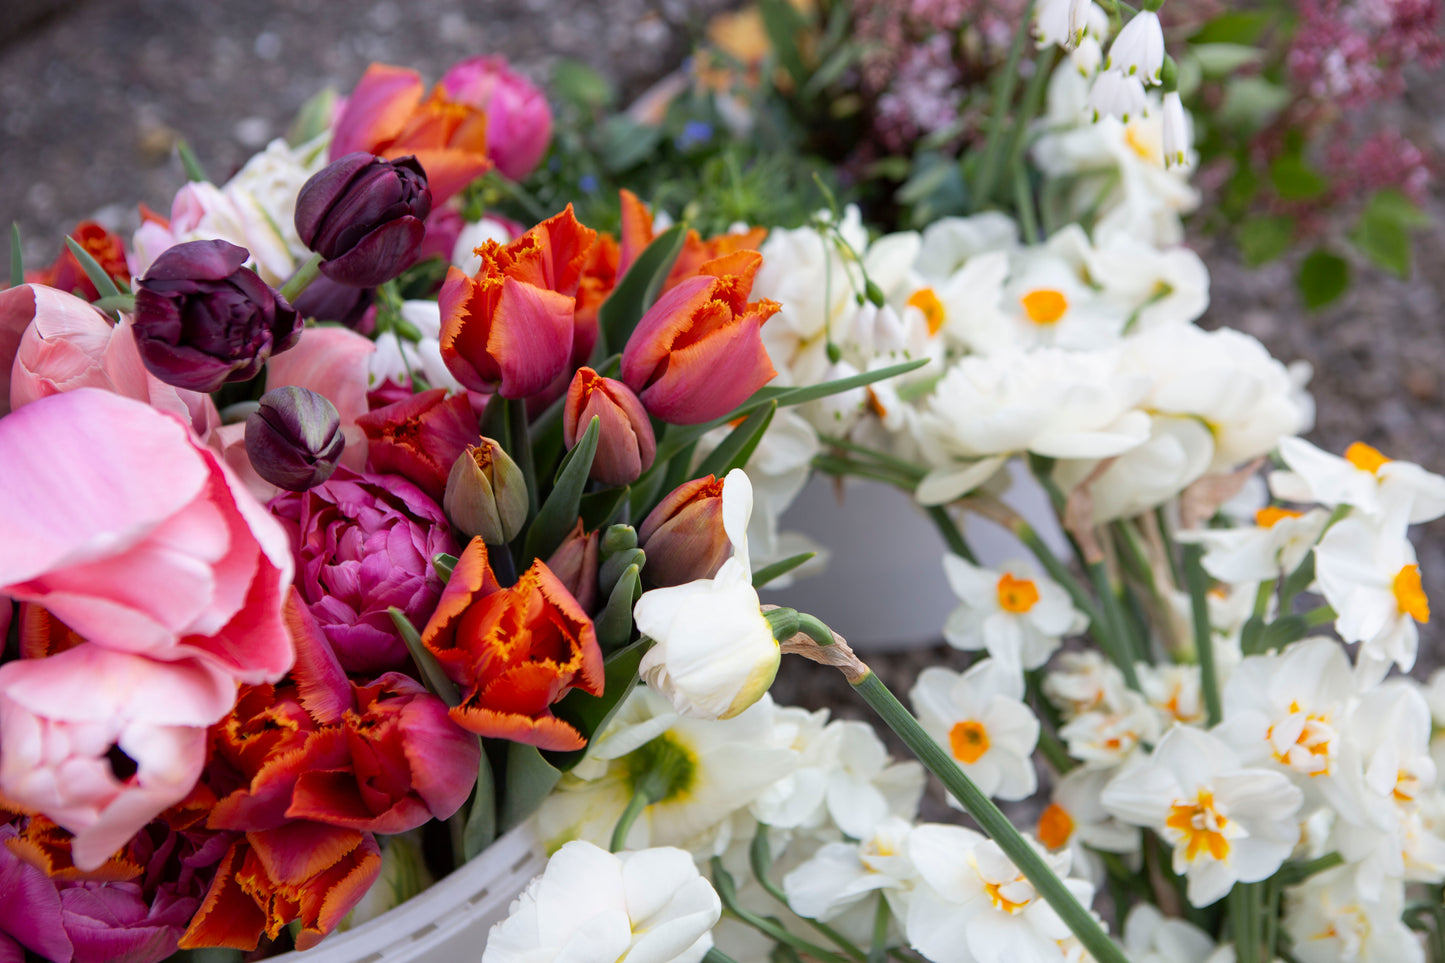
<point>969,740</point>
<point>1002,902</point>
<point>1410,595</point>
<point>1017,595</point>
<point>1198,827</point>
<point>1045,306</point>
<point>1145,146</point>
<point>1055,826</point>
<point>1315,738</point>
<point>1365,458</point>
<point>926,301</point>
<point>1272,515</point>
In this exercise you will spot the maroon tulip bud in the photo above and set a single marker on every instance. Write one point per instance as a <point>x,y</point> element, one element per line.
<point>366,216</point>
<point>683,536</point>
<point>294,439</point>
<point>575,565</point>
<point>201,319</point>
<point>626,445</point>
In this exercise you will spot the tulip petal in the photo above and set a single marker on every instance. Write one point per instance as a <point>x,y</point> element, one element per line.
<point>377,109</point>
<point>530,337</point>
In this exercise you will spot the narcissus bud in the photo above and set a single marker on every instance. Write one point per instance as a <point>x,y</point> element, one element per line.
<point>366,216</point>
<point>486,494</point>
<point>294,439</point>
<point>626,445</point>
<point>683,536</point>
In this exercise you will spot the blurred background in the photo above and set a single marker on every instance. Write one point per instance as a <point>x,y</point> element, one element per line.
<point>97,94</point>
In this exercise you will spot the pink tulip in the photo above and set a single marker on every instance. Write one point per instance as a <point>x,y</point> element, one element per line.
<point>519,121</point>
<point>127,529</point>
<point>64,718</point>
<point>331,362</point>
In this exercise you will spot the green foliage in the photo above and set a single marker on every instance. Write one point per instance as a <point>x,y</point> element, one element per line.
<point>1323,277</point>
<point>1262,239</point>
<point>1383,231</point>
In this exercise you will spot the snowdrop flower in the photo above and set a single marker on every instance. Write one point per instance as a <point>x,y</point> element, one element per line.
<point>1178,135</point>
<point>714,653</point>
<point>1116,94</point>
<point>591,905</point>
<point>1018,616</point>
<point>1061,22</point>
<point>1138,50</point>
<point>1328,921</point>
<point>972,905</point>
<point>1152,937</point>
<point>712,769</point>
<point>1275,545</point>
<point>979,716</point>
<point>1227,823</point>
<point>840,875</point>
<point>1364,479</point>
<point>1369,576</point>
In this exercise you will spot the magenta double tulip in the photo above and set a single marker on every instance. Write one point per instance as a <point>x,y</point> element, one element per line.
<point>519,121</point>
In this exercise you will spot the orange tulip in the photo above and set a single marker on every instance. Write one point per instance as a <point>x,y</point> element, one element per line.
<point>514,652</point>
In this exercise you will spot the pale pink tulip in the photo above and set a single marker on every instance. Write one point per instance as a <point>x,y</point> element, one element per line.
<point>116,519</point>
<point>65,720</point>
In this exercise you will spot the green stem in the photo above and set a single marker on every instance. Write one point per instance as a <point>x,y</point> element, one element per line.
<point>836,465</point>
<point>1320,616</point>
<point>1272,892</point>
<point>761,859</point>
<point>716,955</point>
<point>878,953</point>
<point>1000,99</point>
<point>1024,200</point>
<point>521,449</point>
<point>1244,920</point>
<point>303,277</point>
<point>1262,595</point>
<point>1198,583</point>
<point>726,892</point>
<point>903,466</point>
<point>1114,640</point>
<point>635,806</point>
<point>990,819</point>
<point>1058,571</point>
<point>949,529</point>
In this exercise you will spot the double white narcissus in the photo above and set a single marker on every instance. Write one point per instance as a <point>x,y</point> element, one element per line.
<point>1227,823</point>
<point>714,653</point>
<point>589,905</point>
<point>1018,616</point>
<point>981,719</point>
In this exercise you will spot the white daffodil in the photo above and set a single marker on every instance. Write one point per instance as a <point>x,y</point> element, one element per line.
<point>650,906</point>
<point>1152,937</point>
<point>714,653</point>
<point>1138,50</point>
<point>1364,479</point>
<point>840,875</point>
<point>710,770</point>
<point>950,243</point>
<point>1019,616</point>
<point>1061,404</point>
<point>1177,452</point>
<point>1328,921</point>
<point>1367,572</point>
<point>1080,682</point>
<point>1434,693</point>
<point>1275,545</point>
<point>972,905</point>
<point>1152,285</point>
<point>1075,819</point>
<point>1227,823</point>
<point>980,717</point>
<point>1113,731</point>
<point>1174,691</point>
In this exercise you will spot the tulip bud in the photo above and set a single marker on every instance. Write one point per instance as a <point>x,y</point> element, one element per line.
<point>294,439</point>
<point>366,216</point>
<point>325,300</point>
<point>683,536</point>
<point>201,319</point>
<point>575,565</point>
<point>486,494</point>
<point>626,445</point>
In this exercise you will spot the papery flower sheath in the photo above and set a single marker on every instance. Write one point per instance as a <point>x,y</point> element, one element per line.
<point>514,652</point>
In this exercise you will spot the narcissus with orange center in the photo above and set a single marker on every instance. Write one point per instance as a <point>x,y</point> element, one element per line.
<point>1045,305</point>
<point>968,740</point>
<point>1017,595</point>
<point>1199,827</point>
<point>1365,458</point>
<point>1410,594</point>
<point>1272,515</point>
<point>1055,826</point>
<point>926,301</point>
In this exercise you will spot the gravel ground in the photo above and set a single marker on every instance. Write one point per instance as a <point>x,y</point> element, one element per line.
<point>98,93</point>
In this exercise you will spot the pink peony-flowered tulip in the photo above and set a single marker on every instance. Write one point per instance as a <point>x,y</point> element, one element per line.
<point>72,723</point>
<point>116,519</point>
<point>519,121</point>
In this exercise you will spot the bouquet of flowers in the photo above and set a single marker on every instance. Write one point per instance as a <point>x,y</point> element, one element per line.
<point>349,521</point>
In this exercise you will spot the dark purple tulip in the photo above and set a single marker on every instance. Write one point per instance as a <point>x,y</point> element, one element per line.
<point>201,319</point>
<point>365,216</point>
<point>325,300</point>
<point>294,439</point>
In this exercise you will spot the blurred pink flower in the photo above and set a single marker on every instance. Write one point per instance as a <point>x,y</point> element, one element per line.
<point>102,741</point>
<point>519,121</point>
<point>119,522</point>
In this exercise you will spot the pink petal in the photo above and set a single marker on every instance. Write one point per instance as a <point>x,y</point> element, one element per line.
<point>377,109</point>
<point>331,362</point>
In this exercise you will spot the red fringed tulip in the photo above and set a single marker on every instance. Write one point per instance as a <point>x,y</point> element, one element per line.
<point>420,437</point>
<point>387,115</point>
<point>66,274</point>
<point>366,216</point>
<point>519,121</point>
<point>683,536</point>
<point>514,652</point>
<point>698,352</point>
<point>626,445</point>
<point>510,326</point>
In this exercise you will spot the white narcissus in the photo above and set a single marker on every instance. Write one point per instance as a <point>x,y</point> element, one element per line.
<point>591,906</point>
<point>714,653</point>
<point>972,905</point>
<point>1075,820</point>
<point>1152,937</point>
<point>1227,823</point>
<point>1364,478</point>
<point>980,718</point>
<point>841,874</point>
<point>1329,921</point>
<point>1017,615</point>
<point>1274,546</point>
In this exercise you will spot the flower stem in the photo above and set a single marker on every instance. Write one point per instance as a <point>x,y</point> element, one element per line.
<point>302,279</point>
<point>951,534</point>
<point>999,101</point>
<point>990,819</point>
<point>635,806</point>
<point>520,448</point>
<point>1197,581</point>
